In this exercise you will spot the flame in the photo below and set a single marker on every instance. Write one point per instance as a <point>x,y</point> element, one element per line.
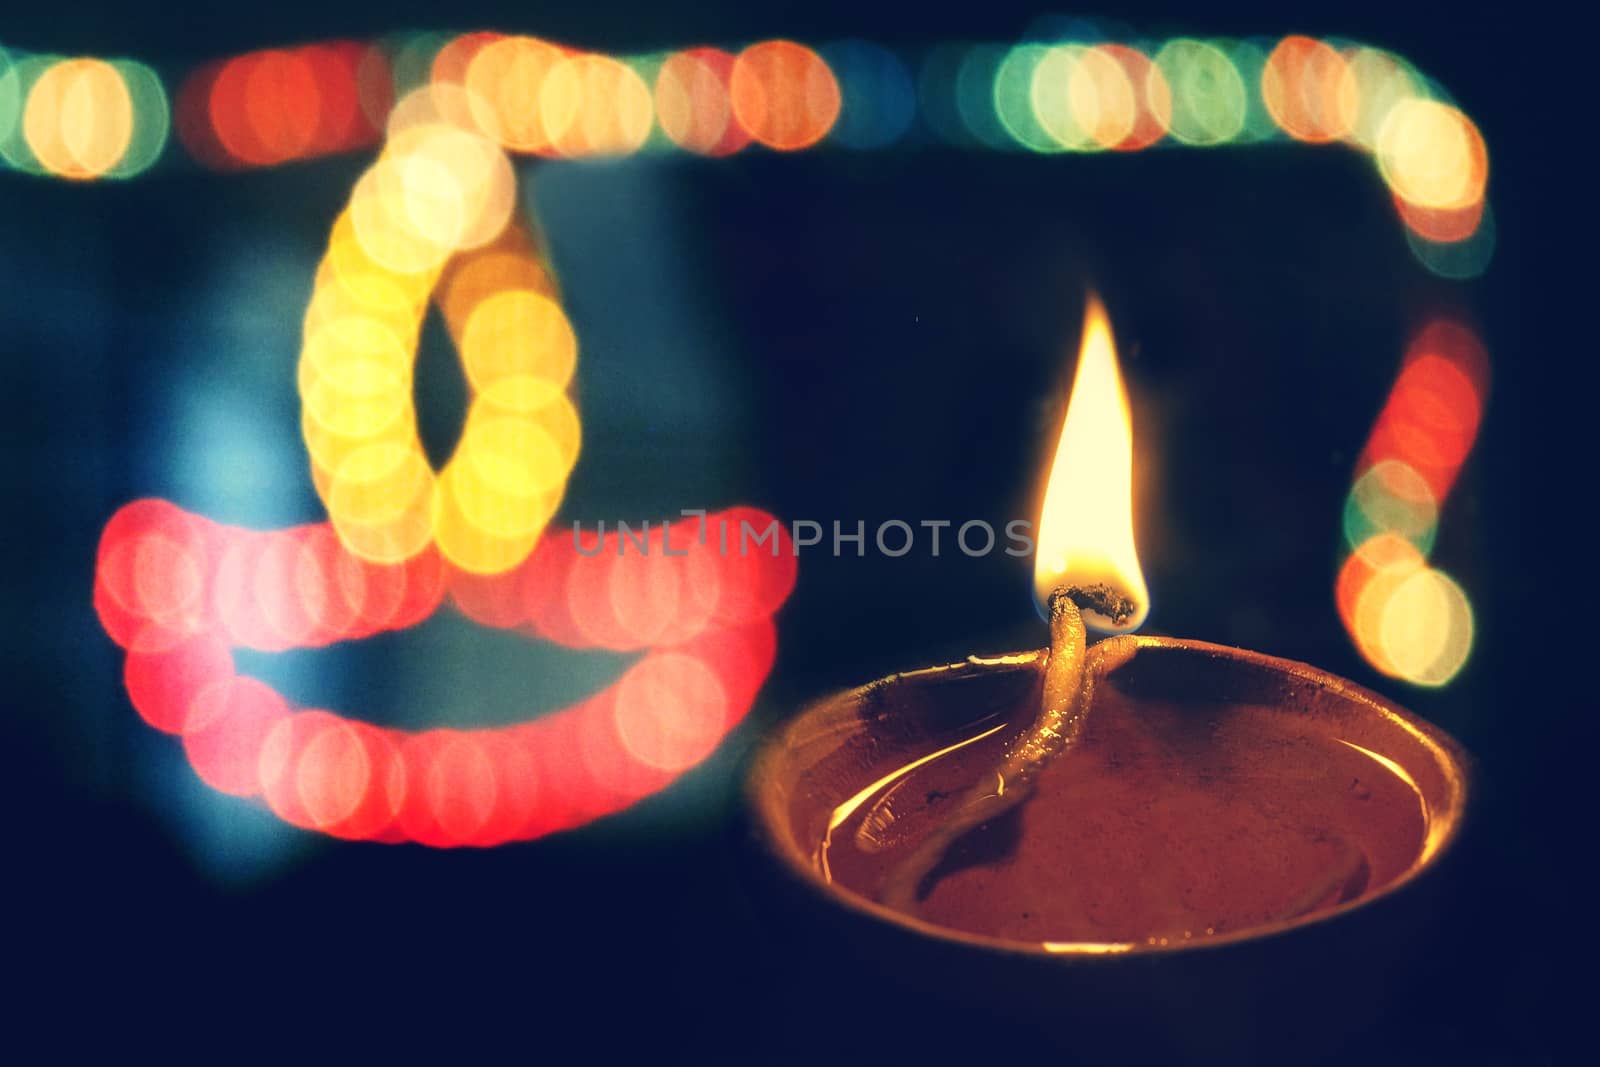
<point>1086,524</point>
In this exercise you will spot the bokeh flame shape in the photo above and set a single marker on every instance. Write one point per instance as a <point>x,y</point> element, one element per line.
<point>432,219</point>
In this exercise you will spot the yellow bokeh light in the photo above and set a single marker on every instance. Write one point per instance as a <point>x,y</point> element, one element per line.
<point>1432,155</point>
<point>541,402</point>
<point>379,483</point>
<point>505,81</point>
<point>507,473</point>
<point>1425,628</point>
<point>436,190</point>
<point>593,105</point>
<point>78,120</point>
<point>460,507</point>
<point>457,188</point>
<point>1051,94</point>
<point>513,457</point>
<point>1102,99</point>
<point>416,225</point>
<point>517,333</point>
<point>1380,567</point>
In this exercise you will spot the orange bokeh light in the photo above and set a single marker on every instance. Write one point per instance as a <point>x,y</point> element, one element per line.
<point>451,67</point>
<point>505,81</point>
<point>784,94</point>
<point>694,103</point>
<point>1446,225</point>
<point>1431,417</point>
<point>594,105</point>
<point>1307,90</point>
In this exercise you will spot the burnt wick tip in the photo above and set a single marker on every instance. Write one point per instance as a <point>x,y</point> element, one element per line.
<point>1099,597</point>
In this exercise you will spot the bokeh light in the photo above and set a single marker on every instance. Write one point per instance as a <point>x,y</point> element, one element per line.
<point>1432,155</point>
<point>694,105</point>
<point>504,81</point>
<point>265,108</point>
<point>974,96</point>
<point>1250,59</point>
<point>1375,82</point>
<point>152,119</point>
<point>1150,111</point>
<point>784,94</point>
<point>1307,90</point>
<point>1208,93</point>
<point>1015,102</point>
<point>1426,628</point>
<point>1458,260</point>
<point>78,119</point>
<point>877,99</point>
<point>10,96</point>
<point>938,94</point>
<point>1431,417</point>
<point>178,592</point>
<point>1391,497</point>
<point>593,105</point>
<point>1408,619</point>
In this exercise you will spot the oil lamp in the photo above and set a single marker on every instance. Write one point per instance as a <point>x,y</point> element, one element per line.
<point>1145,847</point>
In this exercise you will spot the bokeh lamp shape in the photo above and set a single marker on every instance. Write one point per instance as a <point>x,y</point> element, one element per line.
<point>432,219</point>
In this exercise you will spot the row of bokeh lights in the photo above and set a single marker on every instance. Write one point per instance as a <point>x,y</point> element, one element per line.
<point>87,118</point>
<point>179,592</point>
<point>1409,619</point>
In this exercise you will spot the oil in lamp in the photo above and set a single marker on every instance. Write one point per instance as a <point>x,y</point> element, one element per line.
<point>1143,847</point>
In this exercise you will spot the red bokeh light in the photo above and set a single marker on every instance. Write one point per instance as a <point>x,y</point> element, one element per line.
<point>261,109</point>
<point>177,590</point>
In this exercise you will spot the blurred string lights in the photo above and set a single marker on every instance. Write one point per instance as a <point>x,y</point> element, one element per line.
<point>1410,620</point>
<point>83,118</point>
<point>433,219</point>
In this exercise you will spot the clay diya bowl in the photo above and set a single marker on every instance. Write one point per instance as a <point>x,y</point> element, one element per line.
<point>1244,857</point>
